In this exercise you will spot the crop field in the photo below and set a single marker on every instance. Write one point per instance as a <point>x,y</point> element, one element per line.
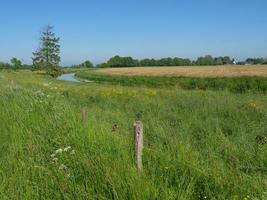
<point>198,144</point>
<point>210,71</point>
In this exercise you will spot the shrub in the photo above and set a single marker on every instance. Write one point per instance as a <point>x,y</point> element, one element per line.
<point>54,71</point>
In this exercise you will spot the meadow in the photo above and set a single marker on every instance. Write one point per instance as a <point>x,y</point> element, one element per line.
<point>198,143</point>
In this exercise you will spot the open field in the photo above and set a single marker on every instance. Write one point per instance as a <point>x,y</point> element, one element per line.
<point>210,71</point>
<point>197,144</point>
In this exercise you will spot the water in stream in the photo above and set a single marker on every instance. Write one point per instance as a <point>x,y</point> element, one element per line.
<point>68,77</point>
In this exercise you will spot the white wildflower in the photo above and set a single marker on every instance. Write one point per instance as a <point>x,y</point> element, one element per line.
<point>67,148</point>
<point>59,151</point>
<point>55,159</point>
<point>72,152</point>
<point>62,167</point>
<point>39,92</point>
<point>53,155</point>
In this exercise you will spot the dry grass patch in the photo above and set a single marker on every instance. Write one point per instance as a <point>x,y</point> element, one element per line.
<point>207,71</point>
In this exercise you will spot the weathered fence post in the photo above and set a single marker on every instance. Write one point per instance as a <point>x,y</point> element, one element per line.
<point>138,135</point>
<point>84,114</point>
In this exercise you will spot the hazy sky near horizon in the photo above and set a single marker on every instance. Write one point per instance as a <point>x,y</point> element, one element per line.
<point>98,29</point>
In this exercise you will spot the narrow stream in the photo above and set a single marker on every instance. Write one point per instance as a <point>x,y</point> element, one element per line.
<point>68,77</point>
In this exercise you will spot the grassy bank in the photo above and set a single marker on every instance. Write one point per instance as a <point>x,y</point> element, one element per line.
<point>233,84</point>
<point>197,144</point>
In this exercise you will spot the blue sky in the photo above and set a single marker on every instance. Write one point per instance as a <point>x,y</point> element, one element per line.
<point>98,29</point>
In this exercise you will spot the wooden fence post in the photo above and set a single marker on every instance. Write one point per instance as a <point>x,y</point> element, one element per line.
<point>84,114</point>
<point>138,135</point>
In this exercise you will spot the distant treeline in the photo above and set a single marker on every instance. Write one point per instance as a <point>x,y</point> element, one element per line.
<point>256,61</point>
<point>85,64</point>
<point>15,65</point>
<point>118,61</point>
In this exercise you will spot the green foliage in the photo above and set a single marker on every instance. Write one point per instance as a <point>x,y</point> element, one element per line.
<point>256,61</point>
<point>218,61</point>
<point>26,66</point>
<point>165,62</point>
<point>5,65</point>
<point>47,56</point>
<point>227,60</point>
<point>85,64</point>
<point>118,61</point>
<point>197,144</point>
<point>233,84</point>
<point>88,64</point>
<point>241,63</point>
<point>102,65</point>
<point>54,71</point>
<point>11,67</point>
<point>209,60</point>
<point>16,63</point>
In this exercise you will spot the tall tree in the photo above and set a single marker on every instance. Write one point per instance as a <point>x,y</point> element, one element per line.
<point>227,60</point>
<point>118,61</point>
<point>16,63</point>
<point>47,55</point>
<point>87,64</point>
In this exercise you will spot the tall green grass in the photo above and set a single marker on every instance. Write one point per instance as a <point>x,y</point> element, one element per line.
<point>197,144</point>
<point>233,84</point>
